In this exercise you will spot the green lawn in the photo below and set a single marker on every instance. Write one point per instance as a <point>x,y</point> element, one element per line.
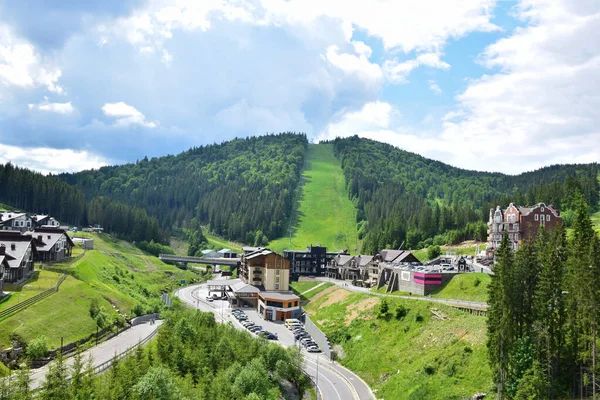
<point>40,282</point>
<point>470,287</point>
<point>301,287</point>
<point>115,272</point>
<point>325,215</point>
<point>416,357</point>
<point>596,221</point>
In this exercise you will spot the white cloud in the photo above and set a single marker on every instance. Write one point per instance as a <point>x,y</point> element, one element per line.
<point>355,64</point>
<point>22,66</point>
<point>48,160</point>
<point>373,116</point>
<point>434,87</point>
<point>59,108</point>
<point>397,72</point>
<point>126,115</point>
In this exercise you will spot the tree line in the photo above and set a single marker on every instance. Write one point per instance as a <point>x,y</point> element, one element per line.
<point>193,357</point>
<point>30,191</point>
<point>543,314</point>
<point>402,197</point>
<point>241,189</point>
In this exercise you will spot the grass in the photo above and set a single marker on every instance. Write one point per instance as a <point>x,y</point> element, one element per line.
<point>219,243</point>
<point>116,273</point>
<point>301,287</point>
<point>325,214</point>
<point>416,357</point>
<point>463,249</point>
<point>596,221</point>
<point>469,287</point>
<point>40,282</point>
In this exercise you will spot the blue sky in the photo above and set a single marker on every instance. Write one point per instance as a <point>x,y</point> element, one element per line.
<point>490,85</point>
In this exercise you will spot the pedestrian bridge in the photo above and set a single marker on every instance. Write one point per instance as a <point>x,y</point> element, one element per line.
<point>234,262</point>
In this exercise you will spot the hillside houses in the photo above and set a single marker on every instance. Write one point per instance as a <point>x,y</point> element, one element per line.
<point>19,221</point>
<point>18,251</point>
<point>52,244</point>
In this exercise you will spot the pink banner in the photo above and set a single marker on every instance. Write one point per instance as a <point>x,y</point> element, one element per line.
<point>427,282</point>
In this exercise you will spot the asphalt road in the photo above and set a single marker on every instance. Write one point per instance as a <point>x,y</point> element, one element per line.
<point>105,351</point>
<point>334,381</point>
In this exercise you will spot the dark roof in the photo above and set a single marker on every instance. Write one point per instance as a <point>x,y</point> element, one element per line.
<point>364,260</point>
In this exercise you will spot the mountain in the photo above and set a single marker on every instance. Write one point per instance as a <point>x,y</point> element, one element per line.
<point>243,189</point>
<point>246,190</point>
<point>404,197</point>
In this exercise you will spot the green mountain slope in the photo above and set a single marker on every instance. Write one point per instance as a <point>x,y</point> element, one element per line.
<point>404,197</point>
<point>415,356</point>
<point>115,273</point>
<point>325,214</point>
<point>241,189</point>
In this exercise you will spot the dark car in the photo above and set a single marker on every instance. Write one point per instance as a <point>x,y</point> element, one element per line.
<point>268,335</point>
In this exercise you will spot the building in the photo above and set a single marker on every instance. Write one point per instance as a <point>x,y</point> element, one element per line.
<point>226,253</point>
<point>44,221</point>
<point>19,251</point>
<point>275,306</point>
<point>265,268</point>
<point>310,262</point>
<point>358,269</point>
<point>52,244</point>
<point>408,279</point>
<point>4,266</point>
<point>519,223</point>
<point>15,221</point>
<point>395,257</point>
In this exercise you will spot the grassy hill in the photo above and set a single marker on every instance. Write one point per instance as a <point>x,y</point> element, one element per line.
<point>325,214</point>
<point>415,357</point>
<point>115,273</point>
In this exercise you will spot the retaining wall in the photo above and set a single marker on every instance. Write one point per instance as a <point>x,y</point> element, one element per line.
<point>318,336</point>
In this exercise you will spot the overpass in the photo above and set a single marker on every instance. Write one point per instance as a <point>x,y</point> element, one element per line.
<point>233,262</point>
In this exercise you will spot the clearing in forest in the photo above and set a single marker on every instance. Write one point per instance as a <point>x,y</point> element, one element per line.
<point>325,215</point>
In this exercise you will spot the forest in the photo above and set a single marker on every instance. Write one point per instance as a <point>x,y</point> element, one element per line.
<point>29,191</point>
<point>543,314</point>
<point>242,189</point>
<point>404,197</point>
<point>192,357</point>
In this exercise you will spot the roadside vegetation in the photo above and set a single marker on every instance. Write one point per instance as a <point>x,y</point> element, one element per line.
<point>401,349</point>
<point>115,275</point>
<point>325,214</point>
<point>192,357</point>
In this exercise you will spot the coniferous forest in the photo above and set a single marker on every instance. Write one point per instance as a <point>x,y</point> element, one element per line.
<point>544,312</point>
<point>242,189</point>
<point>403,197</point>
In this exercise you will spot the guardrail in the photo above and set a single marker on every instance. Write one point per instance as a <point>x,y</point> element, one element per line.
<point>105,365</point>
<point>32,300</point>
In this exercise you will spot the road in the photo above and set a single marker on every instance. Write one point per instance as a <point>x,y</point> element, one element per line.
<point>334,381</point>
<point>450,302</point>
<point>105,351</point>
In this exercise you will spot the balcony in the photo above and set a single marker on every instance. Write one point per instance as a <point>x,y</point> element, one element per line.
<point>257,272</point>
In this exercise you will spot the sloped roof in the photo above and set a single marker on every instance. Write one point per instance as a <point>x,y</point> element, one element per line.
<point>364,260</point>
<point>243,287</point>
<point>260,253</point>
<point>343,259</point>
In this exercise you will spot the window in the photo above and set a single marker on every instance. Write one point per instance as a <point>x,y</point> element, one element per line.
<point>548,217</point>
<point>536,217</point>
<point>28,223</point>
<point>274,304</point>
<point>277,286</point>
<point>516,236</point>
<point>542,209</point>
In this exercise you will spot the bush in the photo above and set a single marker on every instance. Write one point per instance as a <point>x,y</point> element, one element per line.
<point>418,318</point>
<point>433,252</point>
<point>38,347</point>
<point>94,308</point>
<point>429,370</point>
<point>401,312</point>
<point>468,349</point>
<point>383,309</point>
<point>477,282</point>
<point>137,310</point>
<point>116,278</point>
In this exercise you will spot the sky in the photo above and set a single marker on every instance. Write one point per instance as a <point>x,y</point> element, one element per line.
<point>490,85</point>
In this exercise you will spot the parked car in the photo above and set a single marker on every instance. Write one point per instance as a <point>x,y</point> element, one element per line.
<point>268,335</point>
<point>301,336</point>
<point>210,299</point>
<point>255,328</point>
<point>313,349</point>
<point>216,296</point>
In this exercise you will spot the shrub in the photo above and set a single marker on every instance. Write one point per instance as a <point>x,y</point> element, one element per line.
<point>116,278</point>
<point>477,282</point>
<point>468,349</point>
<point>401,312</point>
<point>383,309</point>
<point>429,370</point>
<point>433,252</point>
<point>137,310</point>
<point>418,318</point>
<point>38,347</point>
<point>94,308</point>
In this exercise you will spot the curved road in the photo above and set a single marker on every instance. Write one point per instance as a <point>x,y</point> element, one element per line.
<point>333,381</point>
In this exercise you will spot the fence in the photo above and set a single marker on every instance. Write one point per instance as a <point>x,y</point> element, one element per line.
<point>318,336</point>
<point>32,300</point>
